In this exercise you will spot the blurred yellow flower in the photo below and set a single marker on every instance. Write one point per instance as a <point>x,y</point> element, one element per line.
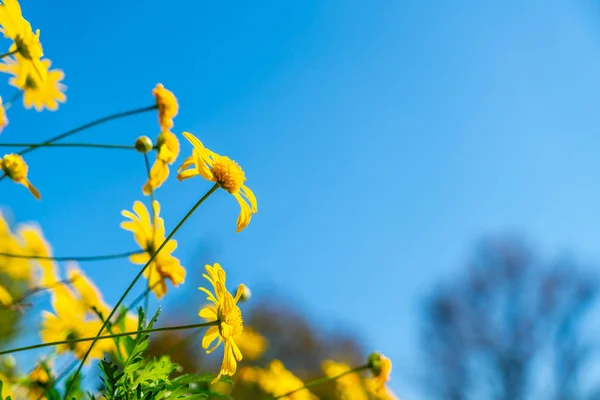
<point>15,267</point>
<point>381,368</point>
<point>251,343</point>
<point>379,393</point>
<point>167,106</point>
<point>6,299</point>
<point>38,379</point>
<point>222,170</point>
<point>149,233</point>
<point>229,315</point>
<point>15,168</point>
<point>349,386</point>
<point>36,245</point>
<point>37,93</point>
<point>70,322</point>
<point>277,380</point>
<point>3,117</point>
<point>26,44</point>
<point>89,295</point>
<point>168,150</point>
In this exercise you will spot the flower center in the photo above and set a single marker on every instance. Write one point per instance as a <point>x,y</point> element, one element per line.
<point>29,46</point>
<point>14,167</point>
<point>229,174</point>
<point>232,323</point>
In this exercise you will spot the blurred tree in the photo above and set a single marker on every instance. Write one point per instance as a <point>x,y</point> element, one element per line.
<point>510,328</point>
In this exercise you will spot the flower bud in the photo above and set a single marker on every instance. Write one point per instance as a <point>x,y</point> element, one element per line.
<point>143,144</point>
<point>246,294</point>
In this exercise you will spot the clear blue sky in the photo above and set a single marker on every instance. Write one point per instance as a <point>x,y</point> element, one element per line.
<point>382,139</point>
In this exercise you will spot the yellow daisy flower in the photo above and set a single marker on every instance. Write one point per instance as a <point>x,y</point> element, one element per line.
<point>378,393</point>
<point>149,236</point>
<point>168,150</point>
<point>36,245</point>
<point>38,380</point>
<point>224,171</point>
<point>349,386</point>
<point>89,295</point>
<point>15,168</point>
<point>69,322</point>
<point>251,343</point>
<point>277,380</point>
<point>229,315</point>
<point>26,43</point>
<point>381,368</point>
<point>167,106</point>
<point>37,93</point>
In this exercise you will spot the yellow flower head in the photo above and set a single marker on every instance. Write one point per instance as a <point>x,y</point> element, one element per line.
<point>37,245</point>
<point>3,117</point>
<point>251,343</point>
<point>167,106</point>
<point>70,322</point>
<point>277,380</point>
<point>381,367</point>
<point>149,233</point>
<point>37,93</point>
<point>229,315</point>
<point>6,299</point>
<point>89,295</point>
<point>15,268</point>
<point>349,386</point>
<point>222,170</point>
<point>168,150</point>
<point>15,168</point>
<point>38,379</point>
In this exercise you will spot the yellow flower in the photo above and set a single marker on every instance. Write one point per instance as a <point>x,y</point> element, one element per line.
<point>6,299</point>
<point>277,380</point>
<point>349,386</point>
<point>70,322</point>
<point>229,315</point>
<point>89,295</point>
<point>167,106</point>
<point>251,343</point>
<point>168,150</point>
<point>222,170</point>
<point>26,43</point>
<point>15,168</point>
<point>39,378</point>
<point>36,245</point>
<point>14,267</point>
<point>379,393</point>
<point>381,368</point>
<point>46,93</point>
<point>3,117</point>
<point>149,236</point>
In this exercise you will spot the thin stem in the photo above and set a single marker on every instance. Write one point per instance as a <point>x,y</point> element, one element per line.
<point>135,302</point>
<point>111,336</point>
<point>137,277</point>
<point>74,258</point>
<point>320,381</point>
<point>90,145</point>
<point>8,104</point>
<point>89,125</point>
<point>38,289</point>
<point>146,296</point>
<point>10,53</point>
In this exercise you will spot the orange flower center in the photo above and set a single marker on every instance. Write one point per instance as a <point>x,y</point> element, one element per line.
<point>228,174</point>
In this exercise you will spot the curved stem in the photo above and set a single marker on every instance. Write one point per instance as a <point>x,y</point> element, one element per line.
<point>38,289</point>
<point>320,381</point>
<point>10,53</point>
<point>90,145</point>
<point>147,292</point>
<point>89,125</point>
<point>74,258</point>
<point>137,277</point>
<point>111,336</point>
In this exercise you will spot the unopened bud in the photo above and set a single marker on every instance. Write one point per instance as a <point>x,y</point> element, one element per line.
<point>143,144</point>
<point>246,294</point>
<point>9,362</point>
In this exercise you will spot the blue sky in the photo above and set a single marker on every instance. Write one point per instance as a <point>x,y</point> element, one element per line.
<point>382,139</point>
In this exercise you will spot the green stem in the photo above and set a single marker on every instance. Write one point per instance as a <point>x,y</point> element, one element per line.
<point>8,104</point>
<point>111,336</point>
<point>89,145</point>
<point>138,276</point>
<point>89,125</point>
<point>10,53</point>
<point>147,293</point>
<point>74,258</point>
<point>320,381</point>
<point>38,289</point>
